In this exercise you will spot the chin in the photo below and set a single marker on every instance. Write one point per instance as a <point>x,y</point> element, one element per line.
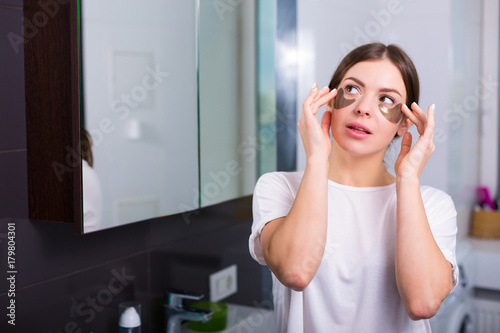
<point>361,148</point>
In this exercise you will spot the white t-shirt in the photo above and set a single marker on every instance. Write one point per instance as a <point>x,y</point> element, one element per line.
<point>354,289</point>
<point>92,199</point>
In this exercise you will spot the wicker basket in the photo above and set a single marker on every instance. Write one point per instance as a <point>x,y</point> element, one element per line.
<point>486,224</point>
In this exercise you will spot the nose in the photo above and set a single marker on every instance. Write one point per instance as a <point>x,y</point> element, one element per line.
<point>360,112</point>
<point>363,108</point>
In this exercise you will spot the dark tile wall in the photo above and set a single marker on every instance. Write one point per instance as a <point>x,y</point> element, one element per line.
<point>73,283</point>
<point>13,180</point>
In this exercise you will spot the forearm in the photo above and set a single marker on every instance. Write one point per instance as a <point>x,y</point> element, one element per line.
<point>295,248</point>
<point>423,274</point>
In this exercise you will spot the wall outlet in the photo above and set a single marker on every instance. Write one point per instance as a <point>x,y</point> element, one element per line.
<point>223,283</point>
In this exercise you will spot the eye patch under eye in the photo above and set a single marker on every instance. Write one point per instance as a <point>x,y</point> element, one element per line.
<point>341,101</point>
<point>392,114</point>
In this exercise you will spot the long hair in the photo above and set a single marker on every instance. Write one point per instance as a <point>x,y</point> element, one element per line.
<point>87,148</point>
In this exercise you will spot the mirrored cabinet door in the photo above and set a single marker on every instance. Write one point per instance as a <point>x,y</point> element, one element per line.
<point>140,108</point>
<point>162,107</point>
<point>228,108</point>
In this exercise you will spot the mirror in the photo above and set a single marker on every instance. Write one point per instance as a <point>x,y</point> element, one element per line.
<point>178,101</point>
<point>227,71</point>
<point>140,109</point>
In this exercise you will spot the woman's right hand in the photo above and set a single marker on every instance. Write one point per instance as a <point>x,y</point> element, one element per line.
<point>293,245</point>
<point>316,137</point>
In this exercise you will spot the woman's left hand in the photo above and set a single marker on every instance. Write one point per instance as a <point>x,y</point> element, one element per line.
<point>411,161</point>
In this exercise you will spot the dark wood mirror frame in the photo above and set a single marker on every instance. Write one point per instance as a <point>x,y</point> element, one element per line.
<point>53,125</point>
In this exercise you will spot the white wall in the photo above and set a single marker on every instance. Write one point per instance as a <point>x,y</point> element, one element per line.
<point>489,107</point>
<point>447,60</point>
<point>463,114</point>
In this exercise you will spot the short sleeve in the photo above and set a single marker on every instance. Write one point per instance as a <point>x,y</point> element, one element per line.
<point>273,197</point>
<point>442,217</point>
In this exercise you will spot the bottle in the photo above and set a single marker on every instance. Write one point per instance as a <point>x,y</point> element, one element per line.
<point>130,321</point>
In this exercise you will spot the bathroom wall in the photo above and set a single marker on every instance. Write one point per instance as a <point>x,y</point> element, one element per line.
<point>489,136</point>
<point>448,63</point>
<point>62,282</point>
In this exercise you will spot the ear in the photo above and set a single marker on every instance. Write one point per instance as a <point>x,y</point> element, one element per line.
<point>329,106</point>
<point>404,126</point>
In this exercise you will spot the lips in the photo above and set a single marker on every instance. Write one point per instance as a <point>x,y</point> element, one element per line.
<point>359,128</point>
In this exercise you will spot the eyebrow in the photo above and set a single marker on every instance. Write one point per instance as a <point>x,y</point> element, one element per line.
<point>363,85</point>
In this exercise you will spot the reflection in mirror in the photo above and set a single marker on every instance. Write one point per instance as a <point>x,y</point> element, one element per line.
<point>140,108</point>
<point>227,92</point>
<point>236,94</point>
<point>266,86</point>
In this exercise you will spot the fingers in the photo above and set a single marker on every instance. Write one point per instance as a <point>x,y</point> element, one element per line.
<point>324,96</point>
<point>419,118</point>
<point>405,149</point>
<point>416,115</point>
<point>325,123</point>
<point>324,99</point>
<point>426,122</point>
<point>317,98</point>
<point>406,143</point>
<point>429,129</point>
<point>312,94</point>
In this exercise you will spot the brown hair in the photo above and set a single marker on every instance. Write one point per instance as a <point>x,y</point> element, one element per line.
<point>87,148</point>
<point>379,51</point>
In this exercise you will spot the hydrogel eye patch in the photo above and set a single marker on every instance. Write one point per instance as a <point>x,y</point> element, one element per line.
<point>392,114</point>
<point>341,101</point>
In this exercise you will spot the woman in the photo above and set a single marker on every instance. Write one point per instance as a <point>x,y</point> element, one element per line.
<point>92,195</point>
<point>351,247</point>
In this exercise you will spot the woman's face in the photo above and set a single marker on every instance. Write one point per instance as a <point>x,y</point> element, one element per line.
<point>366,113</point>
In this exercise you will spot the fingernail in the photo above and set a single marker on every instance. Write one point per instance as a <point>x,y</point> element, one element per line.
<point>333,89</point>
<point>314,85</point>
<point>324,87</point>
<point>405,106</point>
<point>433,106</point>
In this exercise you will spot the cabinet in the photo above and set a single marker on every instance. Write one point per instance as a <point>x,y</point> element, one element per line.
<point>170,94</point>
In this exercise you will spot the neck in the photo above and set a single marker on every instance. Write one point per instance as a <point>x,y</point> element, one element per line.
<point>358,170</point>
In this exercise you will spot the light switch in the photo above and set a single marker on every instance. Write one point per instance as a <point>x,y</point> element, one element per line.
<point>223,283</point>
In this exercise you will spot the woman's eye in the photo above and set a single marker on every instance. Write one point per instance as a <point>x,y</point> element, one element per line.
<point>351,89</point>
<point>387,100</point>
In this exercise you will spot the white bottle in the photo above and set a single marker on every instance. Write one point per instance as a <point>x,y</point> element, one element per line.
<point>130,321</point>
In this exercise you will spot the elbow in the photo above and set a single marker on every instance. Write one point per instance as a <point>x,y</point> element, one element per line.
<point>426,304</point>
<point>423,310</point>
<point>297,281</point>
